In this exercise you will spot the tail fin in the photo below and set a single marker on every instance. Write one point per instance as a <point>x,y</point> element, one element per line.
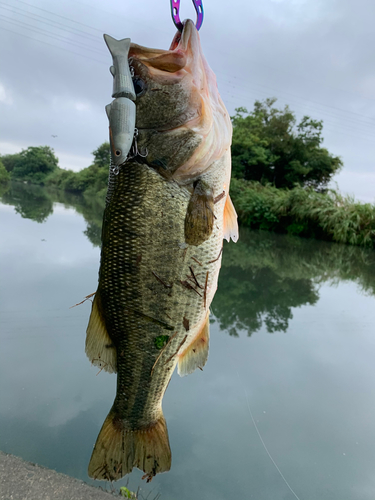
<point>117,449</point>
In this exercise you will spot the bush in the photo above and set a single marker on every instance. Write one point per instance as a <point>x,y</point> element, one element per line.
<point>34,164</point>
<point>304,212</point>
<point>4,175</point>
<point>10,161</point>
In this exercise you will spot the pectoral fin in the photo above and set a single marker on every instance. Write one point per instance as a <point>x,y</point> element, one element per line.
<point>99,348</point>
<point>199,220</point>
<point>196,354</point>
<point>230,221</point>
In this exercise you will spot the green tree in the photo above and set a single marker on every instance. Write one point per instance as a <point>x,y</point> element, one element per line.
<point>10,161</point>
<point>4,174</point>
<point>35,164</point>
<point>102,155</point>
<point>269,147</point>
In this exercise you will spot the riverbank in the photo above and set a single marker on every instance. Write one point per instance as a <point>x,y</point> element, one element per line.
<point>304,212</point>
<point>328,216</point>
<point>20,480</point>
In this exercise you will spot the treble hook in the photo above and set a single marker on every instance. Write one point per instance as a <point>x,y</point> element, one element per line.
<point>175,9</point>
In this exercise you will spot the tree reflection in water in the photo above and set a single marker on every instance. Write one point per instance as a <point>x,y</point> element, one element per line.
<point>30,201</point>
<point>263,276</point>
<point>36,203</point>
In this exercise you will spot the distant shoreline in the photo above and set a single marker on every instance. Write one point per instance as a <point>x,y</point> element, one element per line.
<point>300,211</point>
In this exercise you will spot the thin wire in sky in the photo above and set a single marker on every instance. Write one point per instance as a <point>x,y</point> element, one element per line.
<point>338,120</point>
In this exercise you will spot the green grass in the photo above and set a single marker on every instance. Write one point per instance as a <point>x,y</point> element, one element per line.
<point>304,212</point>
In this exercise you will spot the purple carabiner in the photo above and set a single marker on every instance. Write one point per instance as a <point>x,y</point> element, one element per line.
<point>175,9</point>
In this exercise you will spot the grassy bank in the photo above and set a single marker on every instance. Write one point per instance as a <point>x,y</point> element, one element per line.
<point>299,211</point>
<point>304,212</point>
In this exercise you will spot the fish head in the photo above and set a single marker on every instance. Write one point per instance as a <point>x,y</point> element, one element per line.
<point>180,116</point>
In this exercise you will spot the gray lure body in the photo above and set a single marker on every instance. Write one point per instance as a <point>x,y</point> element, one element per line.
<point>121,112</point>
<point>121,115</point>
<point>122,79</point>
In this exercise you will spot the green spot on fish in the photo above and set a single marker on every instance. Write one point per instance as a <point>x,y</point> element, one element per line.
<point>127,493</point>
<point>161,341</point>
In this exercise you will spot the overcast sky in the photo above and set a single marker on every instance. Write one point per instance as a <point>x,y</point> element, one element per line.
<point>315,55</point>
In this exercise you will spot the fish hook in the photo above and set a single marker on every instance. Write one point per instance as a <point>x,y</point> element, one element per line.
<point>175,9</point>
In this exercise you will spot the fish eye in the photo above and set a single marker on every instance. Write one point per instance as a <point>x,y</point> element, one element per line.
<point>139,86</point>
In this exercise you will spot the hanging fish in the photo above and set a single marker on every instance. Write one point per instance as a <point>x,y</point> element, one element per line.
<point>162,241</point>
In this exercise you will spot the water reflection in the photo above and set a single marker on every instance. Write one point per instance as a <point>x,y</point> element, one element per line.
<point>265,275</point>
<point>311,390</point>
<point>36,203</point>
<point>91,208</point>
<point>31,202</point>
<point>247,299</point>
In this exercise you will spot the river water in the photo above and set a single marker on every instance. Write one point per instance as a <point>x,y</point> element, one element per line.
<point>285,407</point>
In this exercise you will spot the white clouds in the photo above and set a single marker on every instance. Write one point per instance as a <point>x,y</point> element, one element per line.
<point>359,184</point>
<point>367,86</point>
<point>5,96</point>
<point>82,106</point>
<point>315,56</point>
<point>9,148</point>
<point>73,162</point>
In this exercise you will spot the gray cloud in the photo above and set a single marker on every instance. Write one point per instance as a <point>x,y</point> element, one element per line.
<point>315,56</point>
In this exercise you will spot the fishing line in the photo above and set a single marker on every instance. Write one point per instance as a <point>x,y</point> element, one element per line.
<point>263,443</point>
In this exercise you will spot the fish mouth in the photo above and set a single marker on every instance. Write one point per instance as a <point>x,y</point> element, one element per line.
<point>181,39</point>
<point>174,59</point>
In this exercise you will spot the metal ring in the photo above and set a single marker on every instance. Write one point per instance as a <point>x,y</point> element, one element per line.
<point>175,10</point>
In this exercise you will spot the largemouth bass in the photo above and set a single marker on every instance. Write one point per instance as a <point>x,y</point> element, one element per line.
<point>162,239</point>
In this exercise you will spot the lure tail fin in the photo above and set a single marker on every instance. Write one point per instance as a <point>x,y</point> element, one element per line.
<point>117,47</point>
<point>122,79</point>
<point>118,449</point>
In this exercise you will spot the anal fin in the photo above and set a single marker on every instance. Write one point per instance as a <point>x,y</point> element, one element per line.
<point>196,354</point>
<point>230,221</point>
<point>99,348</point>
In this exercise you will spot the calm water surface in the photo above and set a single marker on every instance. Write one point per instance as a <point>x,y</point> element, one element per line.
<point>292,347</point>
